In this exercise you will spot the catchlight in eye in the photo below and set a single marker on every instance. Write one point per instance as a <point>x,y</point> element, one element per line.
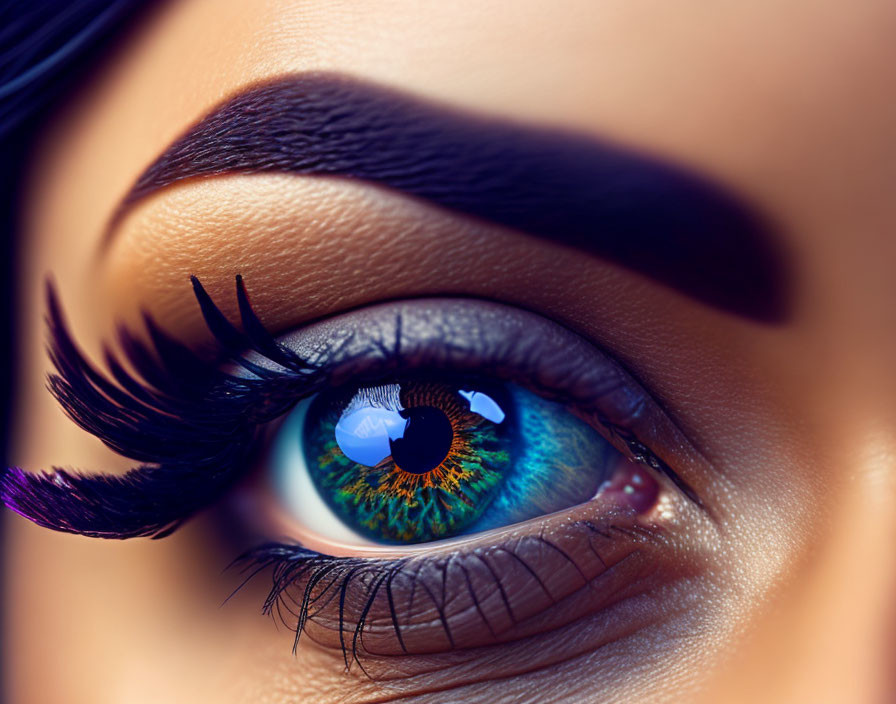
<point>416,461</point>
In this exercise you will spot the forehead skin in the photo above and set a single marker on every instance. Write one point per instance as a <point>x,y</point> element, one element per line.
<point>789,104</point>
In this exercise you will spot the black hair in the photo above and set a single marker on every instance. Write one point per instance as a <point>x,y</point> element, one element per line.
<point>46,48</point>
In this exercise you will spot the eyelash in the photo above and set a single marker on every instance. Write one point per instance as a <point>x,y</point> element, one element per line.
<point>189,422</point>
<point>296,567</point>
<point>193,425</point>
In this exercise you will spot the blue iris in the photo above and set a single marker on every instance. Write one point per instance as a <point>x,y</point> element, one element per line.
<point>420,460</point>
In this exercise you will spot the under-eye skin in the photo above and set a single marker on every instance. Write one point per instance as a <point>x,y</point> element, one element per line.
<point>468,575</point>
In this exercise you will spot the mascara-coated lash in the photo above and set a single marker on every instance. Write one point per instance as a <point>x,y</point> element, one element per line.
<point>187,422</point>
<point>191,423</point>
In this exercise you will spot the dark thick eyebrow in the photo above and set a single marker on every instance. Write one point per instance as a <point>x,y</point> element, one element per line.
<point>638,211</point>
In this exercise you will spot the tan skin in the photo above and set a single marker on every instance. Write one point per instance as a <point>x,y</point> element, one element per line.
<point>788,104</point>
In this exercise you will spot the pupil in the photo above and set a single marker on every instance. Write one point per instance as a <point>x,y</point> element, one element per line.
<point>426,440</point>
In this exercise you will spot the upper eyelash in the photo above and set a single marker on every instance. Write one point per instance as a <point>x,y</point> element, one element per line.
<point>188,422</point>
<point>192,425</point>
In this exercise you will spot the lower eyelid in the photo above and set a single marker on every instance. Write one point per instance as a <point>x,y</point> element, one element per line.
<point>465,335</point>
<point>537,578</point>
<point>581,576</point>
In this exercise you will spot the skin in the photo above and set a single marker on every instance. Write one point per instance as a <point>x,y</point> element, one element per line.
<point>788,104</point>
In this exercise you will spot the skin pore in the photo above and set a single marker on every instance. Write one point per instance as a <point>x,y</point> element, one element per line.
<point>787,105</point>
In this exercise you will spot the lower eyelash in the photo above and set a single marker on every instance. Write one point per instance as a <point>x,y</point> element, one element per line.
<point>192,424</point>
<point>311,588</point>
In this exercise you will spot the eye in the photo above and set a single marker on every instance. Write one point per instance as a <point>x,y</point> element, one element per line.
<point>427,459</point>
<point>479,454</point>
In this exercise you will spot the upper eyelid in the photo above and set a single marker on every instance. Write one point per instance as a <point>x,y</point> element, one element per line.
<point>385,346</point>
<point>148,415</point>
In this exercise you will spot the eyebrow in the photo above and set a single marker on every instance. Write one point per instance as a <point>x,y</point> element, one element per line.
<point>638,211</point>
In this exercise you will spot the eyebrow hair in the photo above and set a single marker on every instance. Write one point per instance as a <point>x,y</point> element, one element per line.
<point>637,211</point>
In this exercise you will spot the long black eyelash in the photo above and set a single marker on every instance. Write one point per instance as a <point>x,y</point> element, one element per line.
<point>189,424</point>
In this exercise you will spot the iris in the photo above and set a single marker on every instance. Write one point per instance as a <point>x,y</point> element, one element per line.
<point>416,461</point>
